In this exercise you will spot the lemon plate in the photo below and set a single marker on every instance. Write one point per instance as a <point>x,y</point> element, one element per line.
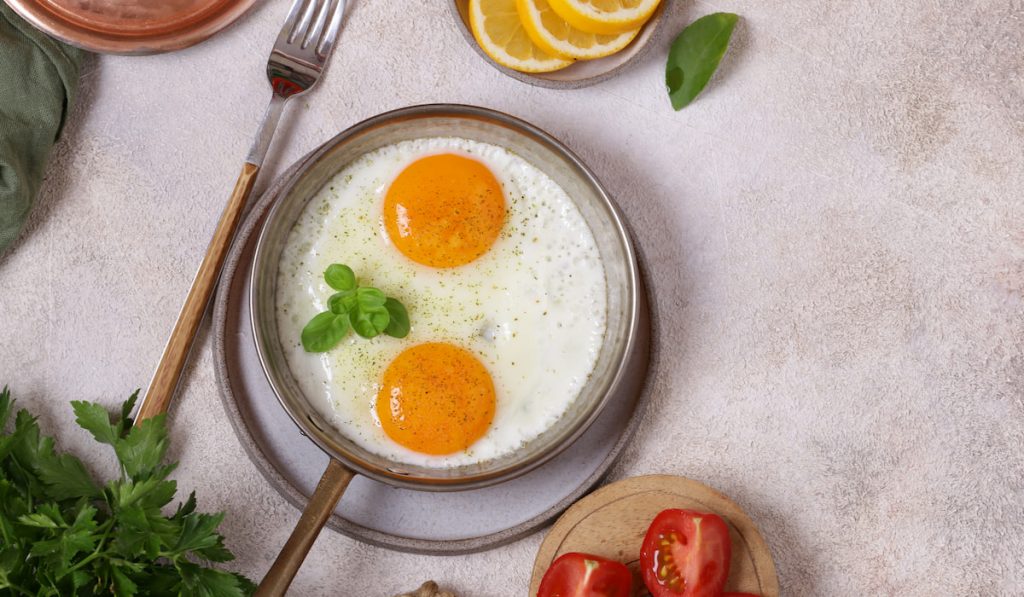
<point>577,75</point>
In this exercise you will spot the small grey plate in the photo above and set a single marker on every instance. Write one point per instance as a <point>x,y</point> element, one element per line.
<point>581,74</point>
<point>439,523</point>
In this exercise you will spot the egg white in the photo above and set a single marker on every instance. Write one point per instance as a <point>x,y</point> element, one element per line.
<point>532,309</point>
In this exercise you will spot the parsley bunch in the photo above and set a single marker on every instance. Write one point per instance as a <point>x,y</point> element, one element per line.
<point>361,308</point>
<point>63,534</point>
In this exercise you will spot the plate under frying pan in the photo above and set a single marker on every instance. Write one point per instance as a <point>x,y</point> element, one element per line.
<point>376,513</point>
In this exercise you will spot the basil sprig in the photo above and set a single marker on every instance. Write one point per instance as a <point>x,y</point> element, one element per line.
<point>361,308</point>
<point>695,55</point>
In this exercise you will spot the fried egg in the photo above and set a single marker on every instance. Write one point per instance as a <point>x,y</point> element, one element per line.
<point>504,287</point>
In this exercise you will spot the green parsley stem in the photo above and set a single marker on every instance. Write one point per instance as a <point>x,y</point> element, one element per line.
<point>96,552</point>
<point>7,538</point>
<point>20,589</point>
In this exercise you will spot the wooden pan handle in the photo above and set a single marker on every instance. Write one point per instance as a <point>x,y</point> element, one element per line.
<point>165,380</point>
<point>323,501</point>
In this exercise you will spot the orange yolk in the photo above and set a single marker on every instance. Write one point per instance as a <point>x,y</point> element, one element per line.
<point>444,210</point>
<point>436,398</point>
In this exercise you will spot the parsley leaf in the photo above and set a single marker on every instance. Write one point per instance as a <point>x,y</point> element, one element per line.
<point>64,475</point>
<point>61,533</point>
<point>143,449</point>
<point>197,532</point>
<point>96,420</point>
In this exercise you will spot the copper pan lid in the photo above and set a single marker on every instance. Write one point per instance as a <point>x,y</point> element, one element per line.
<point>131,26</point>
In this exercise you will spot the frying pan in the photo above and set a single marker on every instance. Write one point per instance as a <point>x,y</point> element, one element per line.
<point>347,458</point>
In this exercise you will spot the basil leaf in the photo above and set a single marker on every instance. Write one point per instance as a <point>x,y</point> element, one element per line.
<point>366,310</point>
<point>369,323</point>
<point>341,303</point>
<point>324,331</point>
<point>369,298</point>
<point>398,327</point>
<point>340,277</point>
<point>695,55</point>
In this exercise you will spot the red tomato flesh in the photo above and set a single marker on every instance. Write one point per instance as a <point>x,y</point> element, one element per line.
<point>686,554</point>
<point>584,575</point>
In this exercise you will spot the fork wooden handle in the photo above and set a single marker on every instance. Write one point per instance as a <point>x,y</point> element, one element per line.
<point>165,380</point>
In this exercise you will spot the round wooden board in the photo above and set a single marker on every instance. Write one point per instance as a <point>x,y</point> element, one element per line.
<point>612,522</point>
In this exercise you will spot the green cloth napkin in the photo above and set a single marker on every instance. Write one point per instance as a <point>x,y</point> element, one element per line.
<point>38,76</point>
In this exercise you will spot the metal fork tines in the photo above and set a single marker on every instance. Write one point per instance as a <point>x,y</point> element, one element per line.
<point>297,60</point>
<point>303,31</point>
<point>295,65</point>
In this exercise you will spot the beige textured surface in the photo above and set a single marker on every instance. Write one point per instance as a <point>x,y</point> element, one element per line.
<point>836,230</point>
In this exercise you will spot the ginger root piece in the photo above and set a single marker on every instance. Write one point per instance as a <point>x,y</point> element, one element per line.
<point>428,589</point>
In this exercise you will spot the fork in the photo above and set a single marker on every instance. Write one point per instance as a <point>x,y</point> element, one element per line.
<point>294,67</point>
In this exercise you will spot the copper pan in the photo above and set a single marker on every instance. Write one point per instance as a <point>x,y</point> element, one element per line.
<point>131,26</point>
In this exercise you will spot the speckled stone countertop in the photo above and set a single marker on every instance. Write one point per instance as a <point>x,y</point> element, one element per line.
<point>835,230</point>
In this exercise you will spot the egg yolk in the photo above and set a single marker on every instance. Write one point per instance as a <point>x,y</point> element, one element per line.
<point>444,210</point>
<point>436,398</point>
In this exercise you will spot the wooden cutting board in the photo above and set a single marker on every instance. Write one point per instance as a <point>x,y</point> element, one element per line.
<point>612,522</point>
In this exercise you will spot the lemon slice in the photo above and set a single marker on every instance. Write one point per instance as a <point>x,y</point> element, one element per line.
<point>605,16</point>
<point>558,38</point>
<point>498,30</point>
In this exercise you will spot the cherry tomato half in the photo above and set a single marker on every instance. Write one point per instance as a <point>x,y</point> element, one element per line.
<point>686,554</point>
<point>584,575</point>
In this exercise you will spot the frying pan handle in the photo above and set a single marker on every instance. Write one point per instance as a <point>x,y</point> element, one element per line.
<point>323,501</point>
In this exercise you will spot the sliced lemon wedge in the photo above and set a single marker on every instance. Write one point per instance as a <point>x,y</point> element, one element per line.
<point>557,37</point>
<point>605,16</point>
<point>501,35</point>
